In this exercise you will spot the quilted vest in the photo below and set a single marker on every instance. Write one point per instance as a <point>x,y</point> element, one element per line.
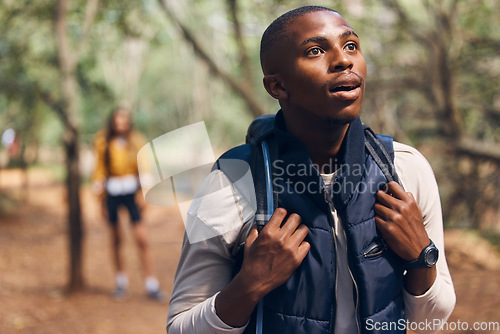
<point>306,302</point>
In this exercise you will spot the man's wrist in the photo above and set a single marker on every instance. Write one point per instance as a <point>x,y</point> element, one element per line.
<point>235,303</point>
<point>427,258</point>
<point>254,291</point>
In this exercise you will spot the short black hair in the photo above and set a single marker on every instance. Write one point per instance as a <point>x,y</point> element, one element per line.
<point>274,32</point>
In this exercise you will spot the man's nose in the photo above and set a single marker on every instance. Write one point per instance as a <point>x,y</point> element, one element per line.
<point>340,61</point>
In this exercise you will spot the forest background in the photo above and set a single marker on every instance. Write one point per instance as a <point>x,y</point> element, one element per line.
<point>433,83</point>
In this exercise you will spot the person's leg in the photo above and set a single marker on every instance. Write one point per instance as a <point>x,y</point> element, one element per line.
<point>141,237</point>
<point>121,279</point>
<point>116,241</point>
<point>151,282</point>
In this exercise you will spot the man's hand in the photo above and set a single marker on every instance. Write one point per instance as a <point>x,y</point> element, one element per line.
<point>272,256</point>
<point>400,222</point>
<point>270,259</point>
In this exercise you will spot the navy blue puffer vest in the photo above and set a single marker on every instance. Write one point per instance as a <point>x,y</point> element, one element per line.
<point>306,302</point>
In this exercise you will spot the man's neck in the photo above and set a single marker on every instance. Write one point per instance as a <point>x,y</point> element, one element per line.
<point>323,140</point>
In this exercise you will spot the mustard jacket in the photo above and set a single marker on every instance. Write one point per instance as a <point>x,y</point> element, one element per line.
<point>122,155</point>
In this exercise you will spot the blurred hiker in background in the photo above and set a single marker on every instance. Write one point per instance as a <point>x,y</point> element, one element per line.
<point>115,181</point>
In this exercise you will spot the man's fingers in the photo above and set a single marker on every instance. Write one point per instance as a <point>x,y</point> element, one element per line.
<point>384,198</point>
<point>251,237</point>
<point>382,225</point>
<point>291,223</point>
<point>291,231</point>
<point>299,234</point>
<point>276,219</point>
<point>391,195</point>
<point>393,188</point>
<point>382,211</point>
<point>303,250</point>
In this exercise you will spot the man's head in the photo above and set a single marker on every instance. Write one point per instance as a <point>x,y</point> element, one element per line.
<point>313,65</point>
<point>275,34</point>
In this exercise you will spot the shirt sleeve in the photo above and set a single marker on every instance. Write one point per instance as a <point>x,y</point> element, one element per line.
<point>417,177</point>
<point>206,267</point>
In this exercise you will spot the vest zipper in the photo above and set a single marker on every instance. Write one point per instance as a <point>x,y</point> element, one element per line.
<point>355,285</point>
<point>332,223</point>
<point>336,271</point>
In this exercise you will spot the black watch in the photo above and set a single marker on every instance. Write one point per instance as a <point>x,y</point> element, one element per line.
<point>427,258</point>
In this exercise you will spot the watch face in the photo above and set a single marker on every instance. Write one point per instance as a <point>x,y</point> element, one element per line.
<point>431,257</point>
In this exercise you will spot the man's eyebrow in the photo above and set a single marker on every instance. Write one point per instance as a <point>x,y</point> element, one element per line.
<point>348,33</point>
<point>316,39</point>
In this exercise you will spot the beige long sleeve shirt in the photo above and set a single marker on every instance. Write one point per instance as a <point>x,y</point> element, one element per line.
<point>206,267</point>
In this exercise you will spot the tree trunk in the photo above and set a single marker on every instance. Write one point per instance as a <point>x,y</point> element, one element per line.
<point>68,60</point>
<point>75,230</point>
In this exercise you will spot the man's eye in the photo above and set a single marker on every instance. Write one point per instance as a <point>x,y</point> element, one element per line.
<point>351,46</point>
<point>314,52</point>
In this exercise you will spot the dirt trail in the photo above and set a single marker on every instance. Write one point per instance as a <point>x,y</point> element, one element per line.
<point>34,266</point>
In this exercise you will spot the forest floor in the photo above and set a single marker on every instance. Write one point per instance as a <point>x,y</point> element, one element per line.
<point>34,267</point>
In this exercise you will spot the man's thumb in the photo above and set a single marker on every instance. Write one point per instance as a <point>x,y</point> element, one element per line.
<point>251,237</point>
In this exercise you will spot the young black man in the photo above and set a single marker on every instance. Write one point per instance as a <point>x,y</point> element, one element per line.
<point>338,255</point>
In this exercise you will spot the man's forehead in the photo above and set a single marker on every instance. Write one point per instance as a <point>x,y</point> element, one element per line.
<point>290,30</point>
<point>316,22</point>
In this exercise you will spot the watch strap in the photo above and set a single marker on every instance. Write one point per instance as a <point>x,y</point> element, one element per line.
<point>422,260</point>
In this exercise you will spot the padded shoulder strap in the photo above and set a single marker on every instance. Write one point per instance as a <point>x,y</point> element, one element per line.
<point>380,153</point>
<point>259,180</point>
<point>260,128</point>
<point>253,155</point>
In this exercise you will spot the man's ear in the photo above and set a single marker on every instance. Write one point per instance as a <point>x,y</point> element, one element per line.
<point>275,87</point>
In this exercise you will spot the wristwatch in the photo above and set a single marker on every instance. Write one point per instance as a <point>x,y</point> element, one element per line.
<point>427,258</point>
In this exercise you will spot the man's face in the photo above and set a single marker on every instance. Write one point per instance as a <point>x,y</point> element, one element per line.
<point>323,71</point>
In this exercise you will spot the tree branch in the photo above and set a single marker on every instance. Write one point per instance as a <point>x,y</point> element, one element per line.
<point>20,89</point>
<point>90,13</point>
<point>55,105</point>
<point>243,54</point>
<point>405,20</point>
<point>478,149</point>
<point>255,108</point>
<point>65,56</point>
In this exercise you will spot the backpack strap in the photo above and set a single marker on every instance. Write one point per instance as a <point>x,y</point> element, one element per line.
<point>269,194</point>
<point>258,168</point>
<point>379,152</point>
<point>260,138</point>
<point>260,127</point>
<point>259,135</point>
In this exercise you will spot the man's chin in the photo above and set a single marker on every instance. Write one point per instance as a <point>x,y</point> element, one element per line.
<point>341,119</point>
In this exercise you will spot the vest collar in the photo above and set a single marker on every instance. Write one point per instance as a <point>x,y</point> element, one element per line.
<point>353,157</point>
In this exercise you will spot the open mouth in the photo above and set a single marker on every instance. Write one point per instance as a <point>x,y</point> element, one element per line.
<point>346,84</point>
<point>344,88</point>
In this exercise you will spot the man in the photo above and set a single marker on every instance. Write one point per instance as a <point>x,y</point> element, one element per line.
<point>338,260</point>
